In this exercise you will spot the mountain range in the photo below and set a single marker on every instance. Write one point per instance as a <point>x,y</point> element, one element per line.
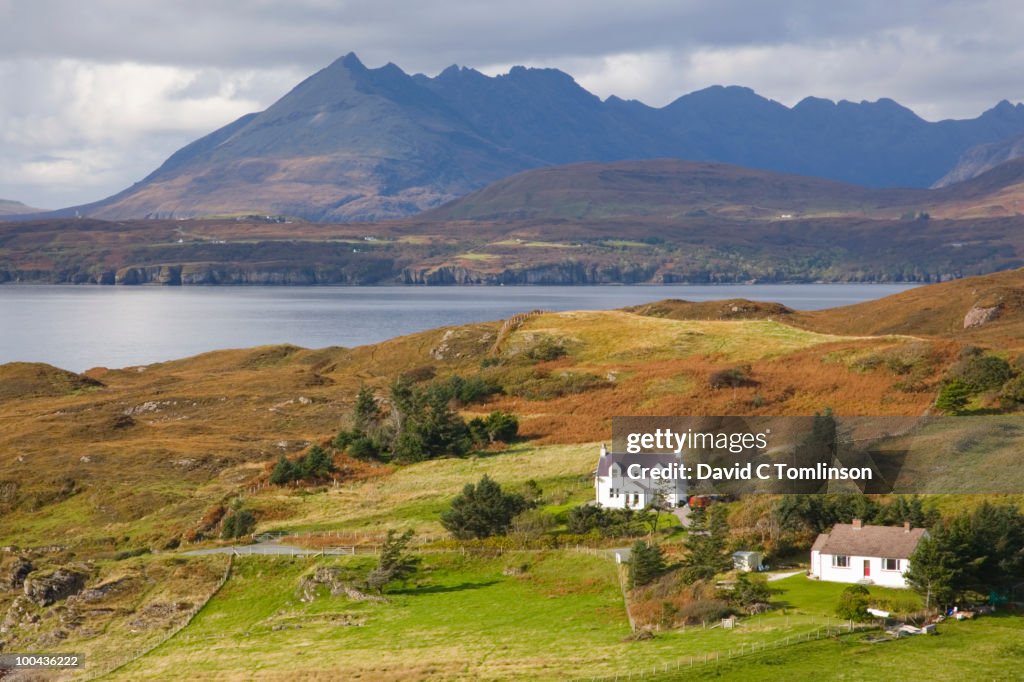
<point>352,143</point>
<point>653,221</point>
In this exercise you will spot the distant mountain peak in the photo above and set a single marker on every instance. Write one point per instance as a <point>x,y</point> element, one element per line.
<point>356,143</point>
<point>351,61</point>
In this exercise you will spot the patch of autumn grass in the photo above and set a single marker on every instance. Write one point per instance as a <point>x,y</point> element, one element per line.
<point>609,337</point>
<point>415,495</point>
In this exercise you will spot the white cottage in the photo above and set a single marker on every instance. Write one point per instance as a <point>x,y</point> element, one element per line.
<point>625,481</point>
<point>869,555</point>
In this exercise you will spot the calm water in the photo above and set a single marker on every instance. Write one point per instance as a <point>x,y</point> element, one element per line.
<point>81,327</point>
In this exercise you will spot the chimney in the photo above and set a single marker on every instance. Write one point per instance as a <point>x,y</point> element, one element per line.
<point>906,526</point>
<point>856,524</point>
<point>604,450</point>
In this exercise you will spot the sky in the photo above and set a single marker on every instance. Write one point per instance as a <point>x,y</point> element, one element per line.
<point>95,95</point>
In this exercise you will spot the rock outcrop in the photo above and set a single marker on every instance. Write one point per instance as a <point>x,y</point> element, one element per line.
<point>46,587</point>
<point>977,316</point>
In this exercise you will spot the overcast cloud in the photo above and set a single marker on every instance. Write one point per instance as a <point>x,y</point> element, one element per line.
<point>96,94</point>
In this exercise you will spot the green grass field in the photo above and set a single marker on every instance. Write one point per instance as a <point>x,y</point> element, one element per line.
<point>560,616</point>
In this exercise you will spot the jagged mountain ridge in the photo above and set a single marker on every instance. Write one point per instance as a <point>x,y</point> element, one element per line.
<point>983,158</point>
<point>353,143</point>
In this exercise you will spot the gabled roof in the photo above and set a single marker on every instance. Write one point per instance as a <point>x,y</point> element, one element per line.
<point>889,542</point>
<point>625,460</point>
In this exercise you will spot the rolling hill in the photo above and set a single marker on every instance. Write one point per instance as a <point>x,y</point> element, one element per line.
<point>674,190</point>
<point>656,221</point>
<point>351,143</point>
<point>988,310</point>
<point>11,208</point>
<point>110,481</point>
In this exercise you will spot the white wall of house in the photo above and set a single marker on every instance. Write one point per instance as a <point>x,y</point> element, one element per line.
<point>872,570</point>
<point>611,497</point>
<point>615,493</point>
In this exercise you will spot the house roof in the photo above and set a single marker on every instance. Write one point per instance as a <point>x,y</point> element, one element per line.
<point>890,542</point>
<point>625,460</point>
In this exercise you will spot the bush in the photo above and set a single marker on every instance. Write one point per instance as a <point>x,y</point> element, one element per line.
<point>544,386</point>
<point>983,372</point>
<point>734,377</point>
<point>953,396</point>
<point>466,391</point>
<point>704,611</point>
<point>1013,391</point>
<point>482,510</point>
<point>853,604</point>
<point>238,524</point>
<point>496,427</point>
<point>314,464</point>
<point>611,523</point>
<point>547,349</point>
<point>363,448</point>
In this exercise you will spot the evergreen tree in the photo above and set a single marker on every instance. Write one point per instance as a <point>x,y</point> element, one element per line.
<point>707,542</point>
<point>932,571</point>
<point>394,565</point>
<point>366,413</point>
<point>646,563</point>
<point>316,463</point>
<point>482,510</point>
<point>284,472</point>
<point>953,397</point>
<point>502,427</point>
<point>238,524</point>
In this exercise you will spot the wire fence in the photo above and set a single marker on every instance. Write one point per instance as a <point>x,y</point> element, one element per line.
<point>173,632</point>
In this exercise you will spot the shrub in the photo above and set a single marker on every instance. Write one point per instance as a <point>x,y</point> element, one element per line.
<point>953,396</point>
<point>1013,390</point>
<point>853,604</point>
<point>419,374</point>
<point>394,565</point>
<point>545,386</point>
<point>704,611</point>
<point>734,377</point>
<point>482,510</point>
<point>546,349</point>
<point>750,590</point>
<point>238,524</point>
<point>363,448</point>
<point>983,372</point>
<point>496,427</point>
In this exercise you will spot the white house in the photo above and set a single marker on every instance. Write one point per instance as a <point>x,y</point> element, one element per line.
<point>626,481</point>
<point>869,555</point>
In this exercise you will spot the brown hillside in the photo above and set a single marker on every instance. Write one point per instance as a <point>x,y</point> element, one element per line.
<point>988,309</point>
<point>36,379</point>
<point>669,189</point>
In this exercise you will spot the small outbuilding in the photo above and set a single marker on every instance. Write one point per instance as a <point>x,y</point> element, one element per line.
<point>746,561</point>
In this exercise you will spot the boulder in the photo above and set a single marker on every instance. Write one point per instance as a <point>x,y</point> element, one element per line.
<point>46,587</point>
<point>14,573</point>
<point>979,315</point>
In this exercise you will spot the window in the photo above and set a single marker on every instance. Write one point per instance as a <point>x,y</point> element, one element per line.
<point>890,564</point>
<point>840,561</point>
